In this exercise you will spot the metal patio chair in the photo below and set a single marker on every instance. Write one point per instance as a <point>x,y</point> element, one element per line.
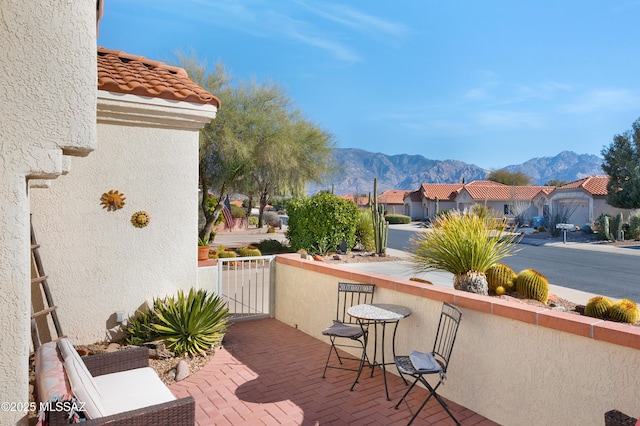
<point>420,364</point>
<point>347,331</point>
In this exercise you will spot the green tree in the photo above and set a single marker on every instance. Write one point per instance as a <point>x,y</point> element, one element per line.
<point>556,182</point>
<point>259,143</point>
<point>506,177</point>
<point>288,150</point>
<point>622,164</point>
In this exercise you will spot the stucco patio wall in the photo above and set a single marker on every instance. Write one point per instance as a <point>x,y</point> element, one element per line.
<point>48,109</point>
<point>513,363</point>
<point>97,261</point>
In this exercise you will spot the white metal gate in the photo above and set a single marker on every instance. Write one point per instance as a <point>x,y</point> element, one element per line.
<point>246,283</point>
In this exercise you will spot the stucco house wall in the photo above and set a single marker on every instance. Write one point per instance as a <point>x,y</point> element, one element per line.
<point>97,261</point>
<point>47,83</point>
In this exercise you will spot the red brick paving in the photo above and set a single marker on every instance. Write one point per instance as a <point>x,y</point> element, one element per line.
<point>268,373</point>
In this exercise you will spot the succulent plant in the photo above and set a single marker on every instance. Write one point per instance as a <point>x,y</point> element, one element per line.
<point>533,285</point>
<point>500,275</point>
<point>624,310</point>
<point>598,307</point>
<point>225,254</point>
<point>249,251</point>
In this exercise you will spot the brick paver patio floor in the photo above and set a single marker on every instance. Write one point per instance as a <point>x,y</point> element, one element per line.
<point>268,373</point>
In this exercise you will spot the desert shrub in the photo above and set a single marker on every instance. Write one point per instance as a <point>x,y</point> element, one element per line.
<point>634,224</point>
<point>482,210</point>
<point>253,220</point>
<point>364,239</point>
<point>586,229</point>
<point>237,211</point>
<point>604,227</point>
<point>542,228</point>
<point>271,230</point>
<point>138,329</point>
<point>464,245</point>
<point>395,219</point>
<point>272,219</point>
<point>272,246</point>
<point>321,217</point>
<point>191,324</point>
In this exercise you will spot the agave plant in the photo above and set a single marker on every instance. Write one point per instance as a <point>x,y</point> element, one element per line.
<point>463,244</point>
<point>191,324</point>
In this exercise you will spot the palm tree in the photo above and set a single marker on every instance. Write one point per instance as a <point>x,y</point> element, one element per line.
<point>466,245</point>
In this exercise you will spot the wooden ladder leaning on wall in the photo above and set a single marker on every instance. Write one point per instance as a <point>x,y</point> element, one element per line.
<point>42,306</point>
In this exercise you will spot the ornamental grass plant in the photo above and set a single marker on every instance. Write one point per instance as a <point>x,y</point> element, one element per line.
<point>465,244</point>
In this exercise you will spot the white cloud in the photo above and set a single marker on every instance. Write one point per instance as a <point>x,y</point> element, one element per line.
<point>503,120</point>
<point>603,100</point>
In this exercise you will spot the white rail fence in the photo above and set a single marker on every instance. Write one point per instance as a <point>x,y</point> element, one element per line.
<point>246,283</point>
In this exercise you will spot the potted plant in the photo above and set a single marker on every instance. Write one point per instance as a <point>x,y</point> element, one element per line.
<point>203,248</point>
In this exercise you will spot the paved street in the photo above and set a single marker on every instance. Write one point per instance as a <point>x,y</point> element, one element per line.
<point>576,271</point>
<point>591,268</point>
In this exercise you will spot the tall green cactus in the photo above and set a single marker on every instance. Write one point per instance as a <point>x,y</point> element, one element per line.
<point>380,225</point>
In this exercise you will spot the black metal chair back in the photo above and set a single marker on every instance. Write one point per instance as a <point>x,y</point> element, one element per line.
<point>351,294</point>
<point>447,332</point>
<point>450,318</point>
<point>346,328</point>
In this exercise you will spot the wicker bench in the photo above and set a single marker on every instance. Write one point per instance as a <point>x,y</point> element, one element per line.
<point>117,388</point>
<point>616,418</point>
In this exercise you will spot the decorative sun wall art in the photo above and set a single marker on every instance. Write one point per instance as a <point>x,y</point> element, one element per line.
<point>140,219</point>
<point>112,200</point>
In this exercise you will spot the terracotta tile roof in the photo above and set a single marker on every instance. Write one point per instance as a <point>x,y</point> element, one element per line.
<point>443,191</point>
<point>361,201</point>
<point>392,196</point>
<point>505,192</point>
<point>594,185</point>
<point>136,75</point>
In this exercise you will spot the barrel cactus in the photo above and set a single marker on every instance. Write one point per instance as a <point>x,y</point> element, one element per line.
<point>249,251</point>
<point>500,275</point>
<point>533,285</point>
<point>598,307</point>
<point>226,254</point>
<point>624,310</point>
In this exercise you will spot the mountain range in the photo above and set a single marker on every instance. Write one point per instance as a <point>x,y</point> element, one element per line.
<point>358,168</point>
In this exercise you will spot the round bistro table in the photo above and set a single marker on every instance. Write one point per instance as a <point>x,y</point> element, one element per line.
<point>378,314</point>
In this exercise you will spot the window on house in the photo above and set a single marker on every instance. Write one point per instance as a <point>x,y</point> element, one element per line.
<point>507,209</point>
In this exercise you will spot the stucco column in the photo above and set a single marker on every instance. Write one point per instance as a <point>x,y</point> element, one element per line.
<point>15,275</point>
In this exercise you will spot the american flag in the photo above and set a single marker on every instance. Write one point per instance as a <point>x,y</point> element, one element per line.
<point>226,211</point>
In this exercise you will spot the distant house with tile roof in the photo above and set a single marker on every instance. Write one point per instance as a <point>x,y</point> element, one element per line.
<point>393,201</point>
<point>583,200</point>
<point>361,201</point>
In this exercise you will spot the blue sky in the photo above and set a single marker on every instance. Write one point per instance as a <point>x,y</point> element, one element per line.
<point>491,83</point>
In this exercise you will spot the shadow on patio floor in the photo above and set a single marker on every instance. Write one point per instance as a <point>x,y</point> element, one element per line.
<point>268,373</point>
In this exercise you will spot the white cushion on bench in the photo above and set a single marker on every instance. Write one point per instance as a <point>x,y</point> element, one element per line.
<point>112,393</point>
<point>132,389</point>
<point>82,383</point>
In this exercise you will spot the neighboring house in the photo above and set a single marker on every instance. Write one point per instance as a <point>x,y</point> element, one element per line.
<point>393,201</point>
<point>580,202</point>
<point>584,200</point>
<point>48,87</point>
<point>361,201</point>
<point>523,202</point>
<point>431,198</point>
